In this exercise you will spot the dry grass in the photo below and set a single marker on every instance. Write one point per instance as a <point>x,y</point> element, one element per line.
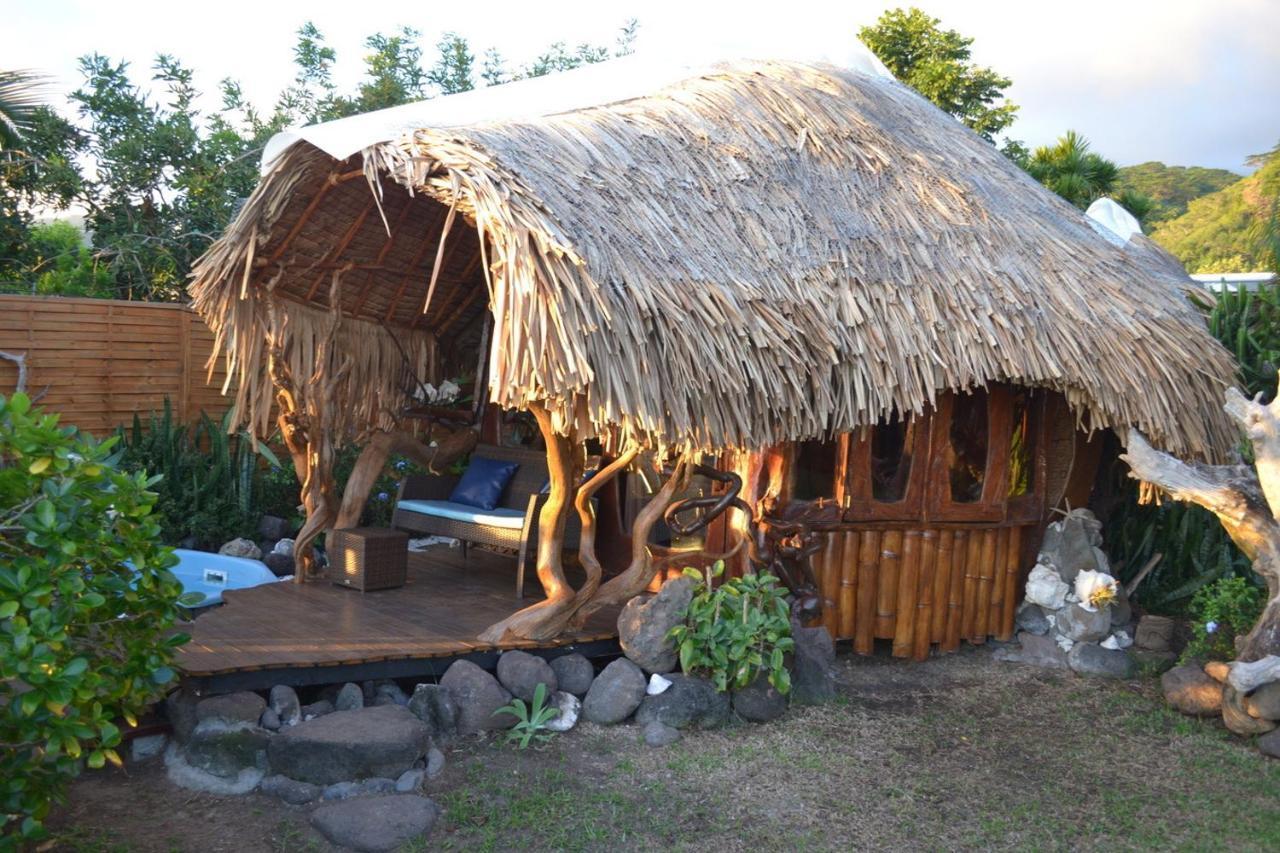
<point>955,753</point>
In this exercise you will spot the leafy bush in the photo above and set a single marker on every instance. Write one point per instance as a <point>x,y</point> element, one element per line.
<point>210,482</point>
<point>531,719</point>
<point>86,607</point>
<point>735,631</point>
<point>1220,612</point>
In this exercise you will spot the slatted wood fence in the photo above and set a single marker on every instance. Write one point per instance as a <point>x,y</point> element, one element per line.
<point>104,359</point>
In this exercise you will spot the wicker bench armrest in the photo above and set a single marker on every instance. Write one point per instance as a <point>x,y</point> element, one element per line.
<point>427,487</point>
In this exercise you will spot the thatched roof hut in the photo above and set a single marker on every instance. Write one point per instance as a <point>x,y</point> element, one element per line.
<point>759,252</point>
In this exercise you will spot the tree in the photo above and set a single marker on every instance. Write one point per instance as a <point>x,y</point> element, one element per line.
<point>21,95</point>
<point>452,71</point>
<point>1072,170</point>
<point>1171,188</point>
<point>937,64</point>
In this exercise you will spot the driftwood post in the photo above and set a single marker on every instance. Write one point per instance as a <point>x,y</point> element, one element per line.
<point>1245,501</point>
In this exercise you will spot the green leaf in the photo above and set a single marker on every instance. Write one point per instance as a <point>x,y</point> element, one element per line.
<point>8,608</point>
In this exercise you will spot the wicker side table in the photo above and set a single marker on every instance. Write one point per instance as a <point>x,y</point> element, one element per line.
<point>368,558</point>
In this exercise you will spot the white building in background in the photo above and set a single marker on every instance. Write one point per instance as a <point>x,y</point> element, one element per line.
<point>1220,281</point>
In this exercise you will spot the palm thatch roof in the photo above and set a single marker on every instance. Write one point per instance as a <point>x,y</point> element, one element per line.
<point>762,251</point>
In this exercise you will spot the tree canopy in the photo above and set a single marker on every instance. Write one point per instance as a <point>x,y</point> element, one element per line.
<point>937,64</point>
<point>1171,188</point>
<point>158,179</point>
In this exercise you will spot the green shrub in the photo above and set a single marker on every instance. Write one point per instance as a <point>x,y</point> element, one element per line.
<point>1219,613</point>
<point>210,481</point>
<point>86,639</point>
<point>735,631</point>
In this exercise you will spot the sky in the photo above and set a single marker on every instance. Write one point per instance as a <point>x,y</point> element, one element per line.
<point>1187,82</point>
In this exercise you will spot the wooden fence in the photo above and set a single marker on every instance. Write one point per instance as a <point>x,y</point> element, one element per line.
<point>102,360</point>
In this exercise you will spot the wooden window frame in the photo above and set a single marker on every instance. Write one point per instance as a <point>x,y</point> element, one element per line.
<point>1029,508</point>
<point>858,500</point>
<point>995,488</point>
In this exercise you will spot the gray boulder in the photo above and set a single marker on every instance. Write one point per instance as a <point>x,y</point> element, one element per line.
<point>644,623</point>
<point>317,709</point>
<point>291,791</point>
<point>1155,633</point>
<point>688,703</point>
<point>759,701</point>
<point>435,763</point>
<point>363,788</point>
<point>1189,690</point>
<point>1121,611</point>
<point>233,709</point>
<point>1269,744</point>
<point>658,735</point>
<point>376,824</point>
<point>389,693</point>
<point>270,720</point>
<point>226,751</point>
<point>180,708</point>
<point>349,698</point>
<point>432,704</point>
<point>284,701</point>
<point>521,673</point>
<point>1030,618</point>
<point>477,695</point>
<point>1093,659</point>
<point>346,745</point>
<point>1264,703</point>
<point>813,665</point>
<point>147,747</point>
<point>1074,552</point>
<point>241,548</point>
<point>411,780</point>
<point>281,565</point>
<point>1083,626</point>
<point>273,527</point>
<point>615,694</point>
<point>574,673</point>
<point>1034,650</point>
<point>568,709</point>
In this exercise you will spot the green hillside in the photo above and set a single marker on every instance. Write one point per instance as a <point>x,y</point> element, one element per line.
<point>1171,187</point>
<point>1225,231</point>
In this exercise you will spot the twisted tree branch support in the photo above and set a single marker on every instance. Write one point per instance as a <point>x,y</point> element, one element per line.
<point>1245,502</point>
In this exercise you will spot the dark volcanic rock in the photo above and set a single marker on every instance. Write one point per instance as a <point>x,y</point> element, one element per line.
<point>477,695</point>
<point>1093,659</point>
<point>521,673</point>
<point>346,745</point>
<point>688,702</point>
<point>615,694</point>
<point>813,665</point>
<point>432,704</point>
<point>645,621</point>
<point>1189,690</point>
<point>759,702</point>
<point>376,824</point>
<point>574,673</point>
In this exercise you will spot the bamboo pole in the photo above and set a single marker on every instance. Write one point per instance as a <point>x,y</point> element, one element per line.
<point>1012,572</point>
<point>829,581</point>
<point>887,586</point>
<point>969,601</point>
<point>986,571</point>
<point>955,596</point>
<point>864,625</point>
<point>848,584</point>
<point>941,587</point>
<point>924,595</point>
<point>904,627</point>
<point>998,581</point>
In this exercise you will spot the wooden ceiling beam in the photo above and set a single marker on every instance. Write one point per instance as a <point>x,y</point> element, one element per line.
<point>467,298</point>
<point>442,262</point>
<point>413,264</point>
<point>337,251</point>
<point>331,180</point>
<point>382,254</point>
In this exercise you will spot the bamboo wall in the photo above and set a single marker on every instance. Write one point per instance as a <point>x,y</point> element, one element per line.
<point>103,359</point>
<point>920,587</point>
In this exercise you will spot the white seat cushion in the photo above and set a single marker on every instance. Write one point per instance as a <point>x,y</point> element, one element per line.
<point>512,519</point>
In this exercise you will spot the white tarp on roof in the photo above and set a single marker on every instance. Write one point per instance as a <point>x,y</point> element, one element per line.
<point>602,83</point>
<point>1112,221</point>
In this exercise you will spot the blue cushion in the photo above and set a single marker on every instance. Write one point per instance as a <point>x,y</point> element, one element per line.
<point>483,481</point>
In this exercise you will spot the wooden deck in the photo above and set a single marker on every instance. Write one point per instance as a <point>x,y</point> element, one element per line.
<point>318,633</point>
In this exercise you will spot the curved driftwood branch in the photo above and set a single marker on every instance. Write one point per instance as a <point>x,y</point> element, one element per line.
<point>638,574</point>
<point>1232,493</point>
<point>547,618</point>
<point>373,459</point>
<point>587,513</point>
<point>19,361</point>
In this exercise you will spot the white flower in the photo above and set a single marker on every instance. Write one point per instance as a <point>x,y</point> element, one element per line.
<point>1096,589</point>
<point>1210,627</point>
